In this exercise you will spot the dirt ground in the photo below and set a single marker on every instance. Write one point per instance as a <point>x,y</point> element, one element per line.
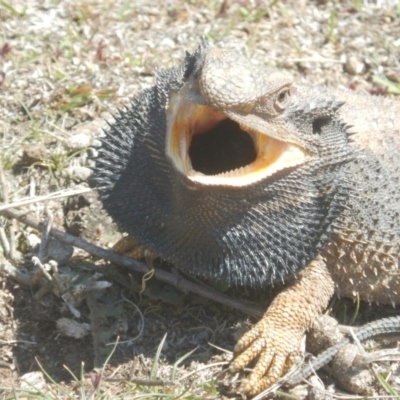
<point>66,67</point>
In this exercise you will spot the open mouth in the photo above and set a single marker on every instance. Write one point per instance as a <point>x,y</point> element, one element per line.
<point>209,148</point>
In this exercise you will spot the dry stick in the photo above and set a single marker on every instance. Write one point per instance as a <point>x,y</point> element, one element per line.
<point>20,276</point>
<point>45,236</point>
<point>10,249</point>
<point>3,184</point>
<point>4,241</point>
<point>175,280</point>
<point>51,196</point>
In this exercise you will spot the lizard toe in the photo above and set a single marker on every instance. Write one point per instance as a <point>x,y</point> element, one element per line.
<point>249,337</point>
<point>258,347</point>
<point>269,368</point>
<point>276,344</point>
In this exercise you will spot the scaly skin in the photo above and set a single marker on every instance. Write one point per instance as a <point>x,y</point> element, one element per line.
<point>328,221</point>
<point>362,258</point>
<point>276,337</point>
<point>384,326</point>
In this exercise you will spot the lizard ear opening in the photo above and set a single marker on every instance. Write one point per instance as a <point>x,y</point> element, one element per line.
<point>319,123</point>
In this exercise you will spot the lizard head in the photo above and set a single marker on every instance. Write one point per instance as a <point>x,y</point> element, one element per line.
<point>226,169</point>
<point>232,124</point>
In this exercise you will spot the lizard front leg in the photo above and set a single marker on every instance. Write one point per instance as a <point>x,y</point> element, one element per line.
<point>276,338</point>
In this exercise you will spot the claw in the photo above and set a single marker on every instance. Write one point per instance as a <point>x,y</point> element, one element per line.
<point>276,338</point>
<point>275,349</point>
<point>273,362</point>
<point>248,338</point>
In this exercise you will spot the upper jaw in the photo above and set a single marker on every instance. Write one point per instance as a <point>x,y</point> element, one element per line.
<point>208,149</point>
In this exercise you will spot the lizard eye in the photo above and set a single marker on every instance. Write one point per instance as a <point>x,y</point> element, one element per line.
<point>282,99</point>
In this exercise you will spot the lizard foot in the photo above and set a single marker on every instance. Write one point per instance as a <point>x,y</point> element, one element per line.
<point>277,337</point>
<point>277,346</point>
<point>129,247</point>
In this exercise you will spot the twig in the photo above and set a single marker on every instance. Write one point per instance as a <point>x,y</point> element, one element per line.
<point>5,244</point>
<point>56,278</point>
<point>175,280</point>
<point>9,248</point>
<point>3,184</point>
<point>37,263</point>
<point>357,341</point>
<point>51,196</point>
<point>208,366</point>
<point>23,278</point>
<point>321,60</point>
<point>45,236</point>
<point>142,382</point>
<point>130,341</point>
<point>4,364</point>
<point>32,187</point>
<point>10,342</point>
<point>12,240</point>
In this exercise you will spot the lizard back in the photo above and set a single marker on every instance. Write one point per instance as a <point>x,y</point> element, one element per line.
<point>364,253</point>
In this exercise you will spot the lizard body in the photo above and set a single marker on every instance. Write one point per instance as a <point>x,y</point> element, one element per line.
<point>366,248</point>
<point>311,201</point>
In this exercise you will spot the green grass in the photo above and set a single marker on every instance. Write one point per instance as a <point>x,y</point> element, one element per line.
<point>332,26</point>
<point>357,5</point>
<point>392,87</point>
<point>12,10</point>
<point>157,389</point>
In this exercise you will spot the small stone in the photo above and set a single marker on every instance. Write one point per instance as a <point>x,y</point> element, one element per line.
<point>392,75</point>
<point>79,173</point>
<point>59,251</point>
<point>85,217</point>
<point>167,42</point>
<point>79,141</point>
<point>324,333</point>
<point>34,153</point>
<point>354,66</point>
<point>33,240</point>
<point>32,380</point>
<point>82,135</point>
<point>299,391</point>
<point>72,328</point>
<point>317,389</point>
<point>353,379</point>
